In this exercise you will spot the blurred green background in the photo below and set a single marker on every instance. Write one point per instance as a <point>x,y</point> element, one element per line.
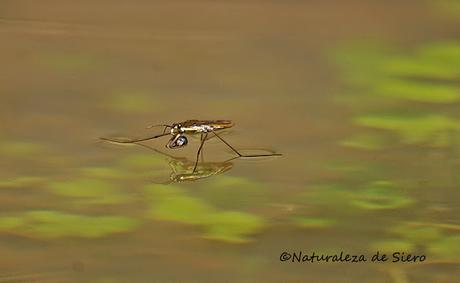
<point>361,97</point>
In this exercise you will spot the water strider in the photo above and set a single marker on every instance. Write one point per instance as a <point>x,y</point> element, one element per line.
<point>178,131</point>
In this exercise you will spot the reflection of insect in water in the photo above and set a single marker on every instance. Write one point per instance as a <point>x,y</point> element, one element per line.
<point>178,131</point>
<point>182,168</point>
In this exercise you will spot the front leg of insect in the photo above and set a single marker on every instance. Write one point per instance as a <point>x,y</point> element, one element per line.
<point>177,141</point>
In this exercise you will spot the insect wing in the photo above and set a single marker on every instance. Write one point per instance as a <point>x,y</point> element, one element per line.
<point>214,124</point>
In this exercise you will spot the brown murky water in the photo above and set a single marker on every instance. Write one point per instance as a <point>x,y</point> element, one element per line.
<point>361,97</point>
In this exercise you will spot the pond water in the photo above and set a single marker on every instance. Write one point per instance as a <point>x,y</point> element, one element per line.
<point>361,98</point>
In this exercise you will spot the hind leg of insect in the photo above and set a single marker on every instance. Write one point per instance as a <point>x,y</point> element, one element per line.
<point>242,155</point>
<point>203,140</point>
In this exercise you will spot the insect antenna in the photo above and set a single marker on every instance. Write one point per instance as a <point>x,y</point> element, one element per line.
<point>160,125</point>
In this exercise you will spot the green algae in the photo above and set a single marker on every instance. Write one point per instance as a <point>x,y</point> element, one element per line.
<point>414,76</point>
<point>23,181</point>
<point>381,195</point>
<point>375,195</point>
<point>143,161</point>
<point>447,247</point>
<point>55,224</point>
<point>432,129</point>
<point>133,101</point>
<point>232,226</point>
<point>231,192</point>
<point>313,222</point>
<point>103,172</point>
<point>364,141</point>
<point>390,246</point>
<point>418,91</point>
<point>71,62</point>
<point>21,148</point>
<point>419,235</point>
<point>170,203</point>
<point>90,191</point>
<point>447,7</point>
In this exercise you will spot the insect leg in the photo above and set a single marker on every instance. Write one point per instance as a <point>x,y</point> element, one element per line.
<point>241,155</point>
<point>202,151</point>
<point>172,141</point>
<point>203,139</point>
<point>136,140</point>
<point>234,150</point>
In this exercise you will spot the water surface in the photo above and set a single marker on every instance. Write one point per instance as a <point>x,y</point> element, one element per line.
<point>360,97</point>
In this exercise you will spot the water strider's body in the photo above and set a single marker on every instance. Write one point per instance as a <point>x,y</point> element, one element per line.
<point>200,126</point>
<point>193,127</point>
